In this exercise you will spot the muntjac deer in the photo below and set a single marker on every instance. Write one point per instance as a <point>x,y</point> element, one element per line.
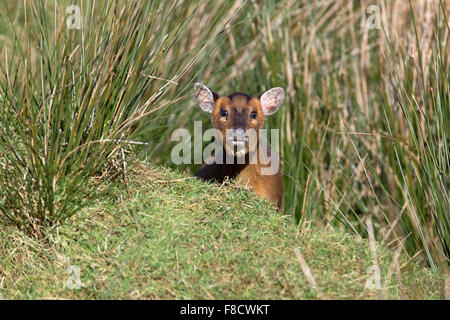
<point>238,118</point>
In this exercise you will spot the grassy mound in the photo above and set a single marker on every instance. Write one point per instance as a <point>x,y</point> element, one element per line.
<point>163,235</point>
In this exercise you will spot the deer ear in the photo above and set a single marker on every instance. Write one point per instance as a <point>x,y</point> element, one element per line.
<point>205,97</point>
<point>272,100</point>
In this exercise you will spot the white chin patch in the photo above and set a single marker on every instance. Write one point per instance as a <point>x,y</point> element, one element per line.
<point>237,148</point>
<point>240,153</point>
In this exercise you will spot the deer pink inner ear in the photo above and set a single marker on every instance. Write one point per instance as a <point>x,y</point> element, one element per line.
<point>272,100</point>
<point>204,97</point>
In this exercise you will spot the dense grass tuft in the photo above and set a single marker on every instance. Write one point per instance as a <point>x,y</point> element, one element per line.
<point>71,98</point>
<point>160,234</point>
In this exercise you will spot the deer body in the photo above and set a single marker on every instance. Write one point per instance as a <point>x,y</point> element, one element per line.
<point>238,118</point>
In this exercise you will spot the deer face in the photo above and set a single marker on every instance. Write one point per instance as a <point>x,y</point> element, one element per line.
<point>239,116</point>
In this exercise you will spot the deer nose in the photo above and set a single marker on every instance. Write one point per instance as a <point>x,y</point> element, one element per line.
<point>239,134</point>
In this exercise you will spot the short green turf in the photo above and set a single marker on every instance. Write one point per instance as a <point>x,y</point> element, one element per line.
<point>160,234</point>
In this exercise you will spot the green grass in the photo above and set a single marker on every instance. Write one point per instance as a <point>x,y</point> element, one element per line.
<point>162,234</point>
<point>364,127</point>
<point>81,94</point>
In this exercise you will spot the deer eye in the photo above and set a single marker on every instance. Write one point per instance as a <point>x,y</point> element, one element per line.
<point>223,112</point>
<point>253,114</point>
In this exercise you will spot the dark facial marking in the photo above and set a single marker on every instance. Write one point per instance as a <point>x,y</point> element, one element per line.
<point>238,95</point>
<point>240,116</point>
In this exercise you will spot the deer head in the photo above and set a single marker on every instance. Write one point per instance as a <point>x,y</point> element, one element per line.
<point>239,117</point>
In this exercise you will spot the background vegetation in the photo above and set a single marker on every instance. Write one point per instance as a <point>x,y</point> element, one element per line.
<point>364,129</point>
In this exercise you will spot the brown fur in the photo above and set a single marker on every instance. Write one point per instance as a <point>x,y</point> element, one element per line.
<point>239,107</point>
